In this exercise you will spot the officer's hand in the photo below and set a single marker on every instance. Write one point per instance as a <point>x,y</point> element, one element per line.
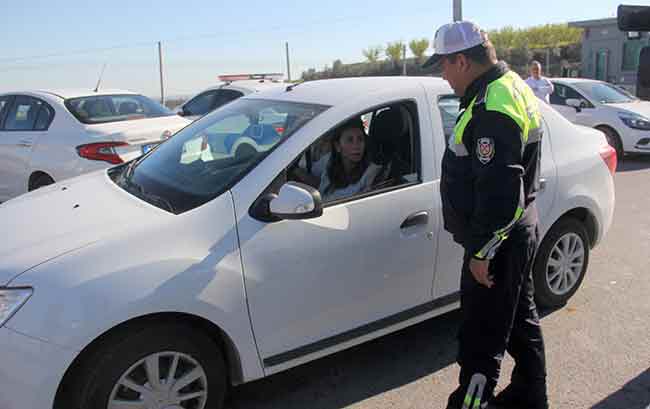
<point>479,269</point>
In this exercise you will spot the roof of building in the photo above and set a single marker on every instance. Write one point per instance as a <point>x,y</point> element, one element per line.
<point>593,23</point>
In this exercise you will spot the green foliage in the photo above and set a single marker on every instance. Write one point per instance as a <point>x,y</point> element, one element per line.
<point>516,46</point>
<point>394,51</point>
<point>549,35</point>
<point>418,48</point>
<point>372,53</point>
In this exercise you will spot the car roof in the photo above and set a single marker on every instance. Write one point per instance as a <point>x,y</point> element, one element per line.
<point>76,93</point>
<point>343,90</point>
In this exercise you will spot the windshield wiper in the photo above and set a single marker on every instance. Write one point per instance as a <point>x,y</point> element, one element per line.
<point>153,199</point>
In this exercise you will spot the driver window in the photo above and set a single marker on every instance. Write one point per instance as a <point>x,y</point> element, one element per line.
<point>370,152</point>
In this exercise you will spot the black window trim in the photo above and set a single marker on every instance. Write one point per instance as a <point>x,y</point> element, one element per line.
<point>14,97</point>
<point>417,153</point>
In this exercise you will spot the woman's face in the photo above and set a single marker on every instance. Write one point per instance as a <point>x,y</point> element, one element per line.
<point>352,144</point>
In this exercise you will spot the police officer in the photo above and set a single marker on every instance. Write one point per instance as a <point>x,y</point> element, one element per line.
<point>490,176</point>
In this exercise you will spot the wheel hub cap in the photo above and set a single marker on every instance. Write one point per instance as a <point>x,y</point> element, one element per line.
<point>565,263</point>
<point>164,380</point>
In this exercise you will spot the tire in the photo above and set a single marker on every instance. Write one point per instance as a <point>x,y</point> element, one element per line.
<point>556,284</point>
<point>40,181</point>
<point>614,140</point>
<point>100,379</point>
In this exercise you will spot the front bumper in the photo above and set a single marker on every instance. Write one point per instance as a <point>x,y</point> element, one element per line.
<point>30,371</point>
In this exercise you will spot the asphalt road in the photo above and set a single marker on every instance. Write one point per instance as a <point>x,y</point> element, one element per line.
<point>598,345</point>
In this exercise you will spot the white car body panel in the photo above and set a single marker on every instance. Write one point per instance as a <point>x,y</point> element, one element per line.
<point>53,151</point>
<point>274,289</point>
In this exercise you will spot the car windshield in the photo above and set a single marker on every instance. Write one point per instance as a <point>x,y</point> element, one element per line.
<point>206,158</point>
<point>605,93</point>
<point>97,109</point>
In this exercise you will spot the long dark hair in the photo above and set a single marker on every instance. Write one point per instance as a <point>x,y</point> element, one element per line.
<point>335,169</point>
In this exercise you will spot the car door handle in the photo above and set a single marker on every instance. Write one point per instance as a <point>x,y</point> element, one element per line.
<point>416,219</point>
<point>542,184</point>
<point>24,143</point>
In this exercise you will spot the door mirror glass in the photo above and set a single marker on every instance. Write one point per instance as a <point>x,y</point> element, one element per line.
<point>296,201</point>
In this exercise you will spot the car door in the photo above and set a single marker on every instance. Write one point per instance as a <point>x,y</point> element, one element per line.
<point>365,264</point>
<point>17,139</point>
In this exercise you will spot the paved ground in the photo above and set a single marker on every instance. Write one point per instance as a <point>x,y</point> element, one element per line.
<point>598,346</point>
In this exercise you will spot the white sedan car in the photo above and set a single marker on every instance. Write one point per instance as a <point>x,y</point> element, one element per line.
<point>49,136</point>
<point>161,282</point>
<point>623,118</point>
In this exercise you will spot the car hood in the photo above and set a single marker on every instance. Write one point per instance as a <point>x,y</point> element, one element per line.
<point>139,131</point>
<point>640,107</point>
<point>57,219</point>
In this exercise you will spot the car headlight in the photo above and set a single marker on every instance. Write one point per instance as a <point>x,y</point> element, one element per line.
<point>635,121</point>
<point>11,299</point>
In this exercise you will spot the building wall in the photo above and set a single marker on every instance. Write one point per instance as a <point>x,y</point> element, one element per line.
<point>609,37</point>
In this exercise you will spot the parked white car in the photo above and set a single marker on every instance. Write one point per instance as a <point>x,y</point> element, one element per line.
<point>49,136</point>
<point>160,282</point>
<point>214,97</point>
<point>623,118</point>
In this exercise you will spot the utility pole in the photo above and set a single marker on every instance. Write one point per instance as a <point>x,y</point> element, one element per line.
<point>288,62</point>
<point>404,59</point>
<point>458,10</point>
<point>160,65</point>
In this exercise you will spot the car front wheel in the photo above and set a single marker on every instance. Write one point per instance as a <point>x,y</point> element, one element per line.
<point>163,367</point>
<point>561,263</point>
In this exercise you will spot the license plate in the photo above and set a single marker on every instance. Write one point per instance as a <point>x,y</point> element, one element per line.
<point>146,148</point>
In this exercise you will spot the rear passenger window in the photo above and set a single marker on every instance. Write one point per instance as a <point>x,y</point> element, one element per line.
<point>23,114</point>
<point>44,118</point>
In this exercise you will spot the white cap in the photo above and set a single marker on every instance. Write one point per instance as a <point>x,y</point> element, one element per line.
<point>454,37</point>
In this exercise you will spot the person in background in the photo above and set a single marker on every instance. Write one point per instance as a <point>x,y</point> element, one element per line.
<point>541,86</point>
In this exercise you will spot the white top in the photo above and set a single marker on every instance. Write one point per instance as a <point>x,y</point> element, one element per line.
<point>542,88</point>
<point>364,184</point>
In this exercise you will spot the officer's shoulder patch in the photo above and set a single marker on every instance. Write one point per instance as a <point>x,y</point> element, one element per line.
<point>485,149</point>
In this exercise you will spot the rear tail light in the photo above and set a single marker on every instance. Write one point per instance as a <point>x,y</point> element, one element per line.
<point>104,151</point>
<point>279,130</point>
<point>204,143</point>
<point>609,156</point>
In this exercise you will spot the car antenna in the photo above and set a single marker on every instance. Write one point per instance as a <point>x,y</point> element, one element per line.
<point>292,86</point>
<point>99,81</point>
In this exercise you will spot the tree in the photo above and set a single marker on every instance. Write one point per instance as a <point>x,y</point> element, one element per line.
<point>372,53</point>
<point>337,68</point>
<point>394,51</point>
<point>418,48</point>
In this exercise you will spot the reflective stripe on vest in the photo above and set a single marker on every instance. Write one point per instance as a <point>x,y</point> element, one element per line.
<point>511,96</point>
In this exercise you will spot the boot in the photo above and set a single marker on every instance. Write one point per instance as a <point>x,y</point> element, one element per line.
<point>521,397</point>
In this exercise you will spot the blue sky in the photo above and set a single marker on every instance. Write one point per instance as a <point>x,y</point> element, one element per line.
<point>64,44</point>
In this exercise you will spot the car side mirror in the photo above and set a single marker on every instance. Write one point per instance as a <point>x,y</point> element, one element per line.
<point>576,103</point>
<point>295,201</point>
